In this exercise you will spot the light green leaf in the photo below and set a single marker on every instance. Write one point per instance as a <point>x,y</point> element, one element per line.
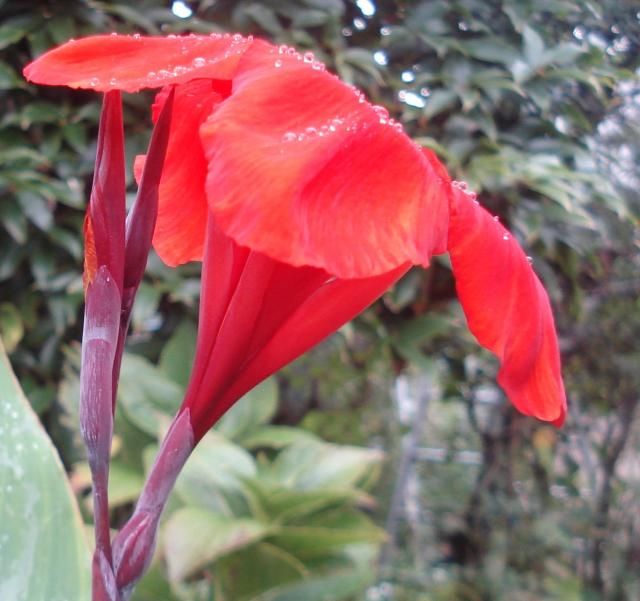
<point>274,437</point>
<point>214,475</point>
<point>43,553</point>
<point>195,537</point>
<point>310,465</point>
<point>146,394</point>
<point>176,358</point>
<point>254,409</point>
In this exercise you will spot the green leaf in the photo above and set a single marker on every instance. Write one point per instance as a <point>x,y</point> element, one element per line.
<point>310,465</point>
<point>326,532</point>
<point>11,326</point>
<point>533,46</point>
<point>336,585</point>
<point>195,537</point>
<point>274,437</point>
<point>176,358</point>
<point>146,394</point>
<point>43,553</point>
<point>255,408</point>
<point>214,476</point>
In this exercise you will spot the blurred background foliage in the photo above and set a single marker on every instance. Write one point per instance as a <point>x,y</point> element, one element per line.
<point>536,104</point>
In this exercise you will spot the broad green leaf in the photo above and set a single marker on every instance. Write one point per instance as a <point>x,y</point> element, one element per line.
<point>282,506</point>
<point>43,553</point>
<point>146,394</point>
<point>326,532</point>
<point>176,358</point>
<point>254,409</point>
<point>214,476</point>
<point>253,571</point>
<point>194,537</point>
<point>335,585</point>
<point>311,465</point>
<point>11,326</point>
<point>274,437</point>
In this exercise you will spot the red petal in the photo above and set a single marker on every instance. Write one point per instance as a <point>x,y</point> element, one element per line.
<point>130,63</point>
<point>507,309</point>
<point>329,183</point>
<point>257,315</point>
<point>182,210</point>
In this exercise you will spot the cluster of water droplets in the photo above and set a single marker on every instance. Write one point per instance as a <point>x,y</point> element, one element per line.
<point>284,52</point>
<point>237,45</point>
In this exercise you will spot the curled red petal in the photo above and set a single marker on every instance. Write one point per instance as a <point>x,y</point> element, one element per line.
<point>507,308</point>
<point>332,184</point>
<point>133,62</point>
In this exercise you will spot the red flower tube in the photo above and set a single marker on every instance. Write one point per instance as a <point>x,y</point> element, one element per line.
<point>305,203</point>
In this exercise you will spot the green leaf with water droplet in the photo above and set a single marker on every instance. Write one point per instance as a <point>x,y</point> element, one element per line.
<point>43,553</point>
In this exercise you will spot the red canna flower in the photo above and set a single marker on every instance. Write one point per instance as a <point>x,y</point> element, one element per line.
<point>305,203</point>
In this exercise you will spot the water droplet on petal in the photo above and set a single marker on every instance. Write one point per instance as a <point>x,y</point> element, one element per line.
<point>152,75</point>
<point>318,66</point>
<point>113,81</point>
<point>311,132</point>
<point>496,218</point>
<point>277,64</point>
<point>164,73</point>
<point>382,112</point>
<point>237,38</point>
<point>172,36</point>
<point>529,260</point>
<point>198,61</point>
<point>94,81</point>
<point>505,236</point>
<point>289,137</point>
<point>282,49</point>
<point>136,36</point>
<point>113,34</point>
<point>308,57</point>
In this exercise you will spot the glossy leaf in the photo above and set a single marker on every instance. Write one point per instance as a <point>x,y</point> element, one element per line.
<point>43,552</point>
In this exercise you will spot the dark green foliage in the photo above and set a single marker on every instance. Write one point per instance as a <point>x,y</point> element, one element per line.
<point>536,105</point>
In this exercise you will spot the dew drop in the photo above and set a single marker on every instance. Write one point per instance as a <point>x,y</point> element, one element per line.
<point>300,137</point>
<point>136,36</point>
<point>505,236</point>
<point>152,75</point>
<point>311,132</point>
<point>113,81</point>
<point>237,38</point>
<point>382,112</point>
<point>198,61</point>
<point>277,64</point>
<point>496,218</point>
<point>94,81</point>
<point>318,66</point>
<point>282,49</point>
<point>289,137</point>
<point>292,51</point>
<point>529,260</point>
<point>179,70</point>
<point>308,57</point>
<point>113,34</point>
<point>164,73</point>
<point>172,36</point>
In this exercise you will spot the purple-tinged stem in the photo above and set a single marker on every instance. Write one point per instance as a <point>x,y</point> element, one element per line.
<point>99,341</point>
<point>134,545</point>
